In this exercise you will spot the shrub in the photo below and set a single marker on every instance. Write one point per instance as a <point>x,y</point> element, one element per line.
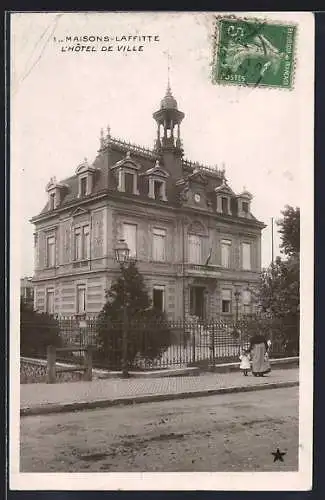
<point>148,332</point>
<point>37,331</point>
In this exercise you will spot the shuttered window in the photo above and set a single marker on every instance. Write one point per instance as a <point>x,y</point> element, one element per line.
<point>159,244</point>
<point>195,249</point>
<point>50,251</point>
<point>225,253</point>
<point>246,256</point>
<point>226,301</point>
<point>85,242</point>
<point>81,299</point>
<point>50,301</point>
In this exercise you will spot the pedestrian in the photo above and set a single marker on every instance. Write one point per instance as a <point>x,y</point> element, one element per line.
<point>245,364</point>
<point>258,349</point>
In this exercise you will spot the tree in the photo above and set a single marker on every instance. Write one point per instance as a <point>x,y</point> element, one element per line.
<point>148,332</point>
<point>279,286</point>
<point>290,231</point>
<point>37,331</point>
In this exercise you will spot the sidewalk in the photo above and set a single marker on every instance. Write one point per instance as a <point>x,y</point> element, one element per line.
<point>52,398</point>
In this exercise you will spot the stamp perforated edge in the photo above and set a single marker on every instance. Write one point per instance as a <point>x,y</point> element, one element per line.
<point>215,50</point>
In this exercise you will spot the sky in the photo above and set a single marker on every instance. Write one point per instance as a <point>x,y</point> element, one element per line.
<point>60,100</point>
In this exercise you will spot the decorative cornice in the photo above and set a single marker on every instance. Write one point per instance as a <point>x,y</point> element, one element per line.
<point>123,145</point>
<point>209,170</point>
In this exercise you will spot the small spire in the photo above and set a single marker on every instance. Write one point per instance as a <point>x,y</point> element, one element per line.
<point>101,140</point>
<point>108,128</point>
<point>128,154</point>
<point>168,73</point>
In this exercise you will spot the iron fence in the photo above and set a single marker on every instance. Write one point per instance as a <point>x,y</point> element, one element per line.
<point>164,344</point>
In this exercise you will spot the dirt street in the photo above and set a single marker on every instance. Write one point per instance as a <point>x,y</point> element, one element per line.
<point>234,432</point>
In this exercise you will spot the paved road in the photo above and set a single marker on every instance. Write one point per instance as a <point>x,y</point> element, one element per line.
<point>234,432</point>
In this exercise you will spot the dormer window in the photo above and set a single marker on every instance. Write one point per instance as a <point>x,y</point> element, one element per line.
<point>224,194</point>
<point>85,174</point>
<point>157,182</point>
<point>52,201</point>
<point>83,186</point>
<point>55,192</point>
<point>127,175</point>
<point>129,181</point>
<point>159,190</point>
<point>224,204</point>
<point>244,201</point>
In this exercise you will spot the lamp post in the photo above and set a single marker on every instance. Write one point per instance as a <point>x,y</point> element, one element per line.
<point>122,256</point>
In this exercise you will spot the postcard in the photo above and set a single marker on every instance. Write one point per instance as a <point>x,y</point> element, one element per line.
<point>161,323</point>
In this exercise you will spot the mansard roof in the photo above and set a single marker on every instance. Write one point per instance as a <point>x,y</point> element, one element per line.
<point>115,152</point>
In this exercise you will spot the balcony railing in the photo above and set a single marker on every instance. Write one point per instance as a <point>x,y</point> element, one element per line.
<point>202,270</point>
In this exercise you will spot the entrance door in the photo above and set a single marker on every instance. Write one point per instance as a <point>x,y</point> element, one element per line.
<point>197,302</point>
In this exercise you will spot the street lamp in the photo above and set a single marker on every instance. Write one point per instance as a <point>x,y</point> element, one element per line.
<point>122,256</point>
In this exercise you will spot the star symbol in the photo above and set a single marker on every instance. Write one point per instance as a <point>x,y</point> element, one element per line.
<point>278,455</point>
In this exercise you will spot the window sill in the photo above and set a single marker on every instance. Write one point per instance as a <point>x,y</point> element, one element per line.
<point>80,263</point>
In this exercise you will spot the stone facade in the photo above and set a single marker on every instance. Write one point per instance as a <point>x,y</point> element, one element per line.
<point>196,241</point>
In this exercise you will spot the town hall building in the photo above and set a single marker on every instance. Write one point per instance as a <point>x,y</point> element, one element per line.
<point>195,240</point>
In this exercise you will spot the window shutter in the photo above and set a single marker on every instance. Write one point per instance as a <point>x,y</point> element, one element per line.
<point>42,250</point>
<point>130,236</point>
<point>246,256</point>
<point>195,249</point>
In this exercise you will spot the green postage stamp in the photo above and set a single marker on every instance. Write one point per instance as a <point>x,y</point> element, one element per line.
<point>254,52</point>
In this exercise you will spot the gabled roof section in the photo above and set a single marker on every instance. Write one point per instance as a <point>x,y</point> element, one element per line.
<point>54,184</point>
<point>157,171</point>
<point>245,194</point>
<point>79,211</point>
<point>127,162</point>
<point>198,176</point>
<point>224,188</point>
<point>84,167</point>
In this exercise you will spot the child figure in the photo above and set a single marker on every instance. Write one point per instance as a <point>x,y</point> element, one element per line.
<point>245,364</point>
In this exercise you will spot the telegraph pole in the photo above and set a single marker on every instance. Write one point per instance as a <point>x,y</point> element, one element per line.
<point>272,239</point>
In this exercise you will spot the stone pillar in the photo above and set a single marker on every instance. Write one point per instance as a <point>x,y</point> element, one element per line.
<point>88,364</point>
<point>51,365</point>
<point>151,193</point>
<point>163,189</point>
<point>90,183</point>
<point>219,204</point>
<point>135,184</point>
<point>228,205</point>
<point>121,180</point>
